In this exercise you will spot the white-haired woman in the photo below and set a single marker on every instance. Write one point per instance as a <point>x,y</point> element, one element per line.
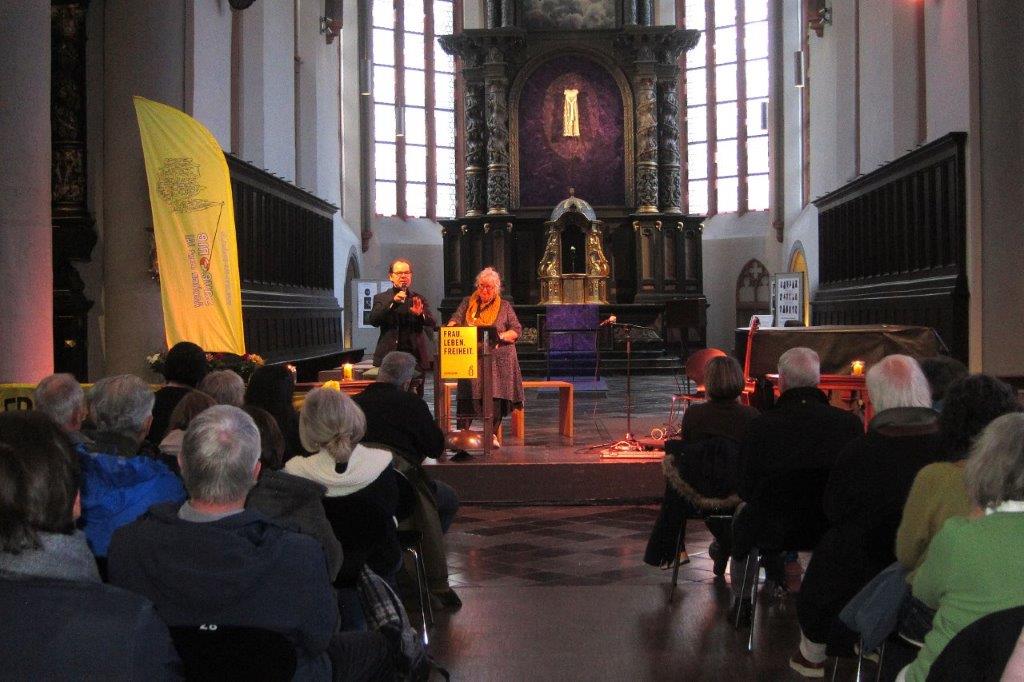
<point>485,308</point>
<point>362,493</point>
<point>975,566</point>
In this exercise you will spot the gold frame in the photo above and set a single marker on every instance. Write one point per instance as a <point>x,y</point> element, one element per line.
<point>515,92</point>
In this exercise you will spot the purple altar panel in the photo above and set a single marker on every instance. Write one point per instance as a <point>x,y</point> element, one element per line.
<point>550,163</point>
<point>572,316</point>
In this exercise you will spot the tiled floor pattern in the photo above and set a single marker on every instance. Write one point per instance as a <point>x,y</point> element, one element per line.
<point>563,546</point>
<point>562,593</point>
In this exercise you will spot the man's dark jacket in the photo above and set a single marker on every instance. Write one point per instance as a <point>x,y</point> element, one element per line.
<point>864,504</point>
<point>802,432</point>
<point>400,329</point>
<point>243,571</point>
<point>400,420</point>
<point>76,630</point>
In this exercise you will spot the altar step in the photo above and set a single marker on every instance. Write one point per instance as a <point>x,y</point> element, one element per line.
<point>534,363</point>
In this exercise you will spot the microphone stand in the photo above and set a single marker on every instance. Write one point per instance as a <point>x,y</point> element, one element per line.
<point>629,446</point>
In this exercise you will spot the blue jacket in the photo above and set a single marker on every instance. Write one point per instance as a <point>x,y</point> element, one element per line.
<point>117,490</point>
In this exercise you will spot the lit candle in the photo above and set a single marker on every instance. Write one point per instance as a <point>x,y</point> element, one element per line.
<point>857,368</point>
<point>346,371</point>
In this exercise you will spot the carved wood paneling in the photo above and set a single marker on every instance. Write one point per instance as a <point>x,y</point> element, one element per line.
<point>892,245</point>
<point>286,263</point>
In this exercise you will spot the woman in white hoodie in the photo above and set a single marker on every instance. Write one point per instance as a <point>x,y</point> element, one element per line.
<point>362,493</point>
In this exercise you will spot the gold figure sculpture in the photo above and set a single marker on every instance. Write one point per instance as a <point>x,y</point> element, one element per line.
<point>571,114</point>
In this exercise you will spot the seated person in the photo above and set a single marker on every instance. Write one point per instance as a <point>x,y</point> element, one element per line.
<point>210,561</point>
<point>184,368</point>
<point>225,386</point>
<point>272,387</point>
<point>721,417</point>
<point>974,566</point>
<point>59,620</point>
<point>941,371</point>
<point>863,502</point>
<point>291,501</point>
<point>188,407</point>
<point>121,477</point>
<point>61,398</point>
<point>938,492</point>
<point>401,421</point>
<point>789,449</point>
<point>362,493</point>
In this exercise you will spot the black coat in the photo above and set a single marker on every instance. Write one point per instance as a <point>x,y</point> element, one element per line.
<point>801,432</point>
<point>76,630</point>
<point>863,503</point>
<point>167,398</point>
<point>400,329</point>
<point>243,570</point>
<point>401,421</point>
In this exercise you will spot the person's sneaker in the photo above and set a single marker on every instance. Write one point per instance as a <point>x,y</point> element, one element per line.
<point>447,599</point>
<point>800,664</point>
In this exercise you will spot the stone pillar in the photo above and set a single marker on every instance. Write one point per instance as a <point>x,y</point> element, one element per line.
<point>492,14</point>
<point>645,90</point>
<point>645,12</point>
<point>669,174</point>
<point>476,150</point>
<point>26,302</point>
<point>136,64</point>
<point>507,16</point>
<point>496,87</point>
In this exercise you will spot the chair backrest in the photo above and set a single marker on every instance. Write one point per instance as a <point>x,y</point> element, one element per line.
<point>710,466</point>
<point>981,650</point>
<point>216,652</point>
<point>406,496</point>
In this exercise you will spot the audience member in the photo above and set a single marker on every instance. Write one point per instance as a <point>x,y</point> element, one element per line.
<point>58,619</point>
<point>941,371</point>
<point>188,407</point>
<point>705,425</point>
<point>975,566</point>
<point>401,421</point>
<point>291,501</point>
<point>938,492</point>
<point>272,387</point>
<point>61,398</point>
<point>225,386</point>
<point>122,477</point>
<point>786,456</point>
<point>863,502</point>
<point>362,493</point>
<point>210,561</point>
<point>184,368</point>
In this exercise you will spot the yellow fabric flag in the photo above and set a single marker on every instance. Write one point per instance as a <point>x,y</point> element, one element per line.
<point>194,225</point>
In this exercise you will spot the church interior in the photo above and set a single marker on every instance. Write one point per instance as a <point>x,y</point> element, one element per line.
<point>670,166</point>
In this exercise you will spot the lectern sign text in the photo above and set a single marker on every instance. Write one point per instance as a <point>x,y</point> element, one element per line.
<point>458,353</point>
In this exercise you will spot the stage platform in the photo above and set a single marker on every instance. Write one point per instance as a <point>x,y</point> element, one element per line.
<point>549,469</point>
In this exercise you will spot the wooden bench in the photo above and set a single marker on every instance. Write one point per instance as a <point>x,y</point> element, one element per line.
<point>565,408</point>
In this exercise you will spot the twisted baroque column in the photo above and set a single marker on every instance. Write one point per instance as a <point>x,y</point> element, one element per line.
<point>669,175</point>
<point>646,144</point>
<point>497,133</point>
<point>476,151</point>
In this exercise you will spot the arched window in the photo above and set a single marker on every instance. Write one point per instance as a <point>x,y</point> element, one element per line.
<point>753,292</point>
<point>726,95</point>
<point>413,108</point>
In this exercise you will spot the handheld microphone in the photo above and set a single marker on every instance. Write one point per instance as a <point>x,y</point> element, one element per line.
<point>611,320</point>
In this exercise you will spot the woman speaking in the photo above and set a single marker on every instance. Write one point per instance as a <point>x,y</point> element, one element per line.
<point>485,308</point>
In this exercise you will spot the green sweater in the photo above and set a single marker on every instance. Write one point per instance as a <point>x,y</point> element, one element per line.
<point>973,567</point>
<point>937,494</point>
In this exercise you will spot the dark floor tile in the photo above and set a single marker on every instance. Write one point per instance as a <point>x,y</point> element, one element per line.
<point>548,577</point>
<point>513,547</point>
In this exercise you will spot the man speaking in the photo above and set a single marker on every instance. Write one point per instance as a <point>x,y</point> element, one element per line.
<point>404,319</point>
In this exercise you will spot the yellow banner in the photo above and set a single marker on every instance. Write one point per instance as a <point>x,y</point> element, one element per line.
<point>194,225</point>
<point>458,353</point>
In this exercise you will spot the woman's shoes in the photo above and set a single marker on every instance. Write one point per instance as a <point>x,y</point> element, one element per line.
<point>684,558</point>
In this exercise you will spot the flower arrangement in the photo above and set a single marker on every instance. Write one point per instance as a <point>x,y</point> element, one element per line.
<point>243,365</point>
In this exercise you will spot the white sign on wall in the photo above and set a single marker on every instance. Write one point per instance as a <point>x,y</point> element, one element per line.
<point>788,297</point>
<point>365,290</point>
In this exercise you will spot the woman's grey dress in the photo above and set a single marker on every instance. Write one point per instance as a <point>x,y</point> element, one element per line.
<point>505,374</point>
